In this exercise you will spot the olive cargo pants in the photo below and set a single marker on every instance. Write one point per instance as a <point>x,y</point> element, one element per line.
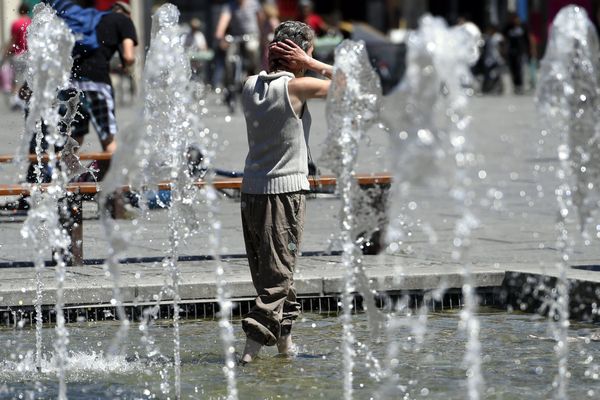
<point>273,226</point>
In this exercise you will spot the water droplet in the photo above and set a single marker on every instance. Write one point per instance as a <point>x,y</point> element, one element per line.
<point>539,370</point>
<point>425,136</point>
<point>563,152</point>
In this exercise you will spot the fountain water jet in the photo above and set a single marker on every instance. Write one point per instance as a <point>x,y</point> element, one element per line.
<point>352,106</point>
<point>568,98</point>
<point>48,70</point>
<point>427,134</point>
<point>172,127</point>
<point>164,118</point>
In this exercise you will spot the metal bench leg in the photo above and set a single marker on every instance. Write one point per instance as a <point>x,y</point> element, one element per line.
<point>376,199</point>
<point>71,218</point>
<point>76,232</point>
<point>115,204</point>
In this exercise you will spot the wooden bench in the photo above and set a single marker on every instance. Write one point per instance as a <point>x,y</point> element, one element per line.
<point>99,156</point>
<point>73,222</point>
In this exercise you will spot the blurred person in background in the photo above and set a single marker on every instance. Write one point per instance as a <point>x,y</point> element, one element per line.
<point>14,55</point>
<point>269,23</point>
<point>491,62</point>
<point>91,82</point>
<point>31,4</point>
<point>534,42</point>
<point>195,44</point>
<point>238,34</point>
<point>194,39</point>
<point>90,75</point>
<point>288,9</point>
<point>312,19</point>
<point>239,18</point>
<point>518,50</point>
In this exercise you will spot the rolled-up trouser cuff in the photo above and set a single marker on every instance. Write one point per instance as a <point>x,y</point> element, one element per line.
<point>262,330</point>
<point>286,328</point>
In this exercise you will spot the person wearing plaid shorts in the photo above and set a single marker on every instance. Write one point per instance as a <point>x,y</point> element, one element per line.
<point>96,106</point>
<point>91,78</point>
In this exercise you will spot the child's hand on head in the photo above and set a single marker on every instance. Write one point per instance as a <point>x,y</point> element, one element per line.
<point>289,54</point>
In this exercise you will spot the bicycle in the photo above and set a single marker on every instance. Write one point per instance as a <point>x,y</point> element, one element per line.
<point>241,59</point>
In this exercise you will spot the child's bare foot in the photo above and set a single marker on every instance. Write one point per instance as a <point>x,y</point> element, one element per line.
<point>285,345</point>
<point>251,350</point>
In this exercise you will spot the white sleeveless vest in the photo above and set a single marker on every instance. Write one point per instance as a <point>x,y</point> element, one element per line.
<point>277,160</point>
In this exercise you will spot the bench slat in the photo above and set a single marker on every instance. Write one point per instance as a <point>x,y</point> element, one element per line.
<point>220,183</point>
<point>100,156</point>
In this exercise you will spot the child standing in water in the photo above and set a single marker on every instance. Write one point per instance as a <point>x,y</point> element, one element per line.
<point>276,180</point>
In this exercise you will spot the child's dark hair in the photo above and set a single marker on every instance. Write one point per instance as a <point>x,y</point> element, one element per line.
<point>296,31</point>
<point>23,9</point>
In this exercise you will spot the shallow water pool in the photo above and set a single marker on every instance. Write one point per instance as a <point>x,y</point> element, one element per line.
<point>518,362</point>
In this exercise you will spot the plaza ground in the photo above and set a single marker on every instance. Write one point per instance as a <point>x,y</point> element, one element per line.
<point>513,183</point>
